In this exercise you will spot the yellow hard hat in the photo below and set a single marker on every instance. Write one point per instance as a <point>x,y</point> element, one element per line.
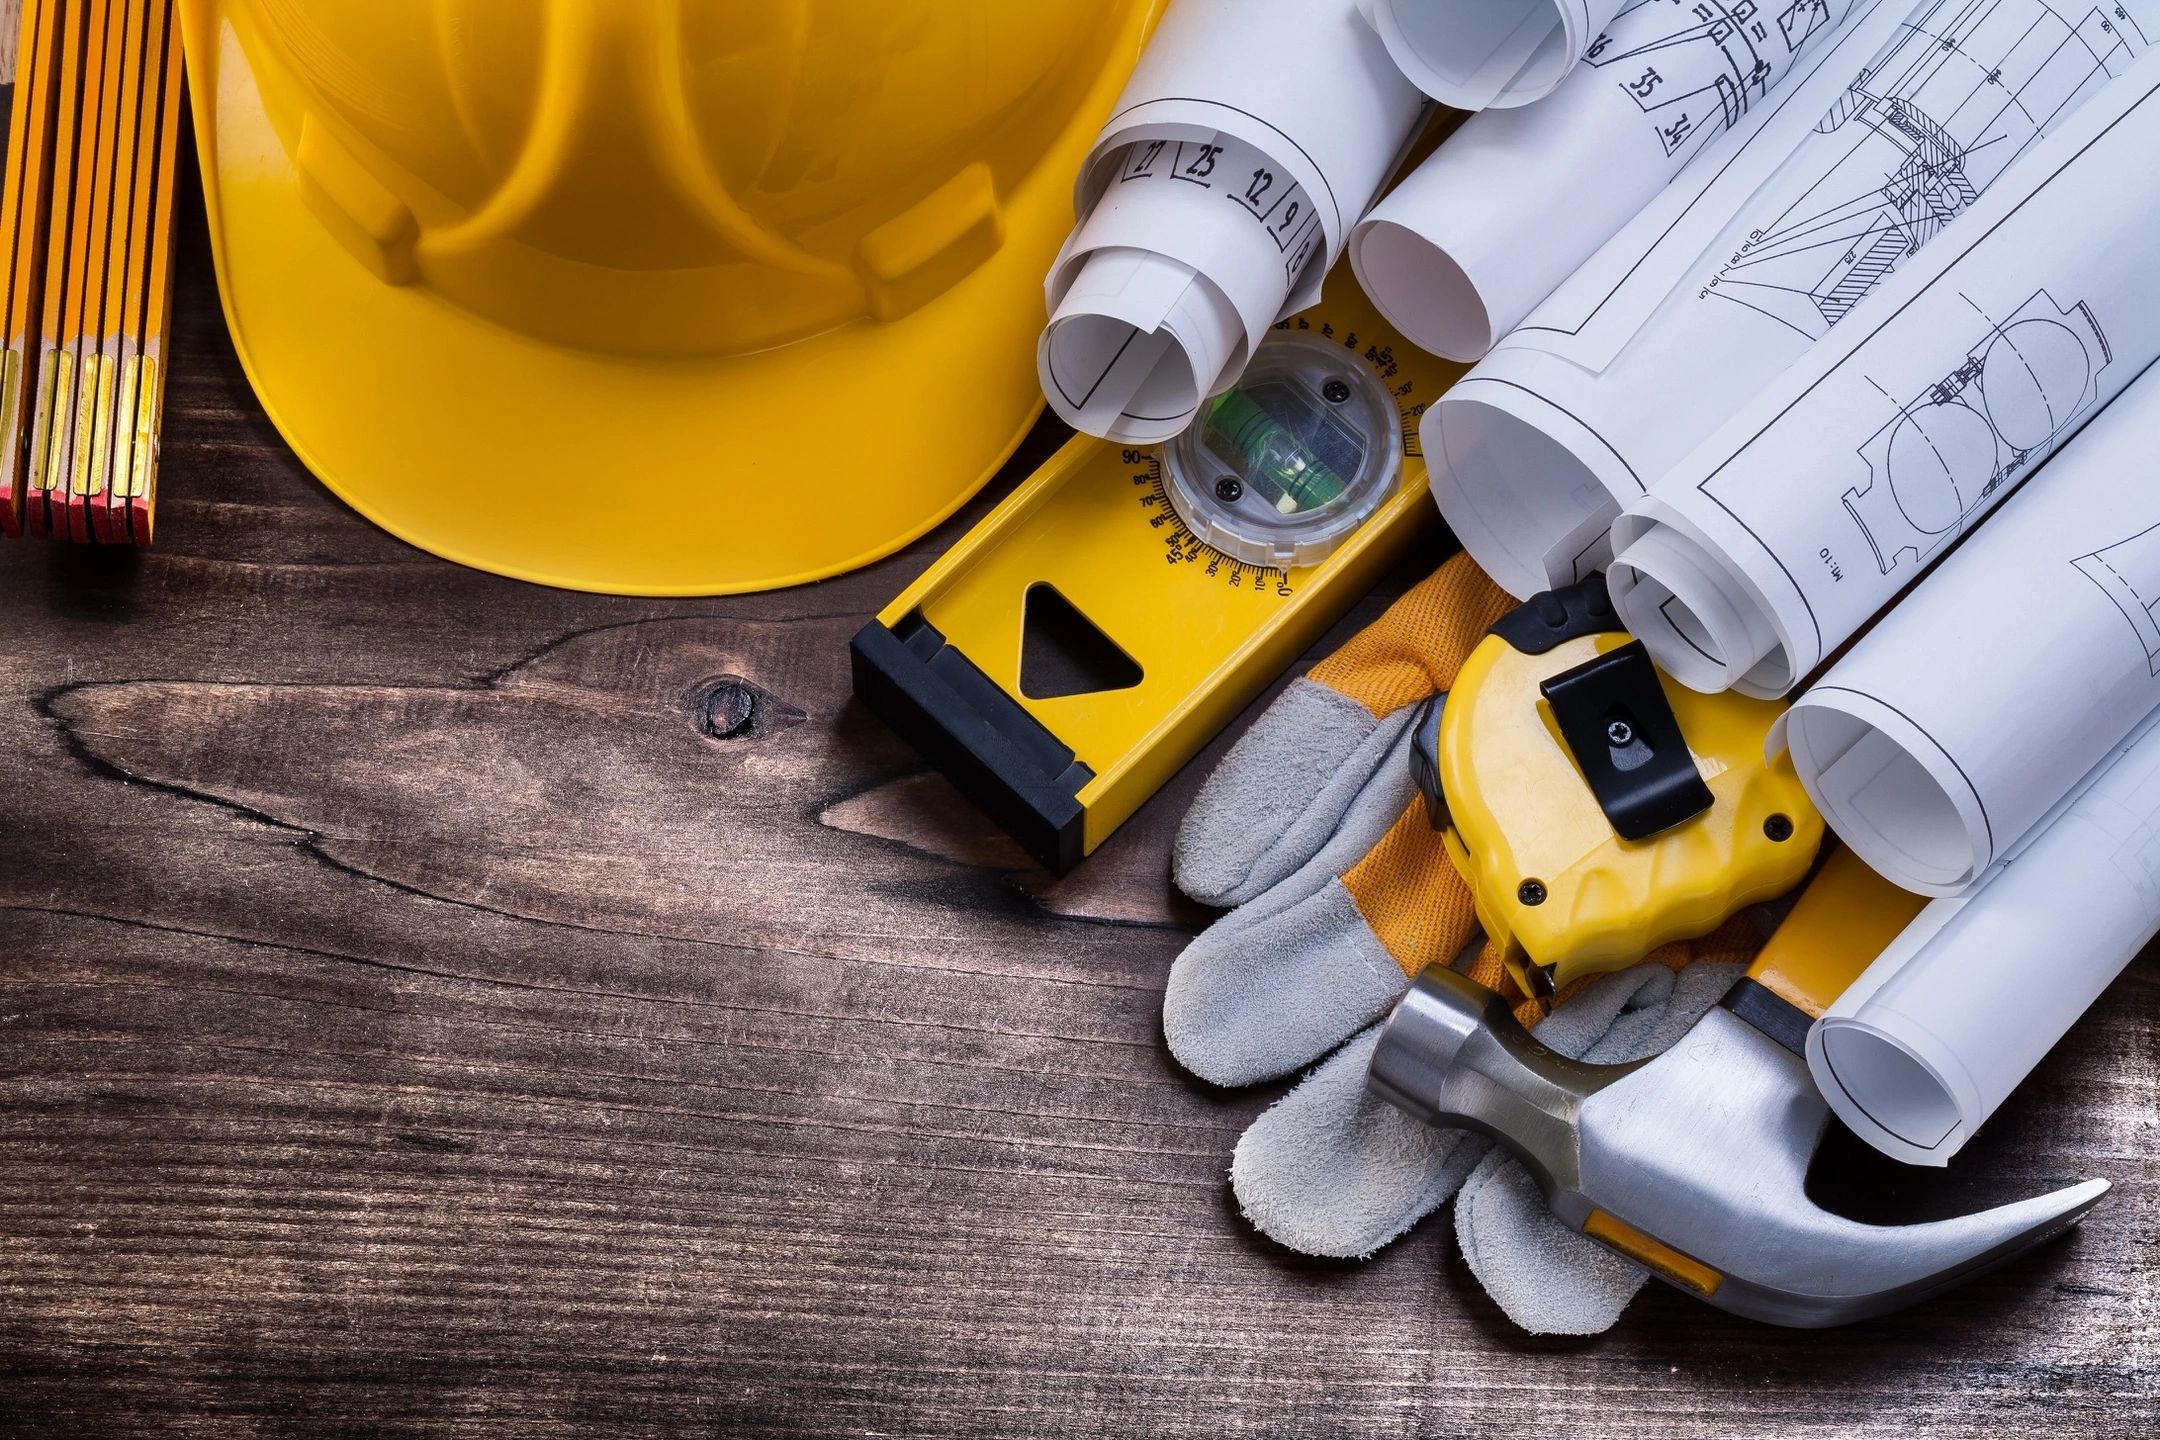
<point>650,296</point>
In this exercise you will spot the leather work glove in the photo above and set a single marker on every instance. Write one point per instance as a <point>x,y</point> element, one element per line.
<point>1314,831</point>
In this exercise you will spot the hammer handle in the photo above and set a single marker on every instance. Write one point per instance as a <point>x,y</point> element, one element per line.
<point>1846,917</point>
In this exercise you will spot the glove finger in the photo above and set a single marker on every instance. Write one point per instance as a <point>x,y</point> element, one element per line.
<point>1332,1170</point>
<point>1371,813</point>
<point>1284,790</point>
<point>1652,1029</point>
<point>1584,1018</point>
<point>1547,1278</point>
<point>1544,1276</point>
<point>1251,1001</point>
<point>1286,978</point>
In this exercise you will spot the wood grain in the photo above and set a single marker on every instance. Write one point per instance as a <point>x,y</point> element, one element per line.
<point>427,1008</point>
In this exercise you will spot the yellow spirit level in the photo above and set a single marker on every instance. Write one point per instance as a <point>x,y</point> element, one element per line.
<point>1123,604</point>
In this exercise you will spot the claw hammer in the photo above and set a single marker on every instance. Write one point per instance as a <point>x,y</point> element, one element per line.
<point>1694,1163</point>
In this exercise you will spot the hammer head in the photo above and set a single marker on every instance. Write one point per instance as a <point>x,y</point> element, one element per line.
<point>1693,1164</point>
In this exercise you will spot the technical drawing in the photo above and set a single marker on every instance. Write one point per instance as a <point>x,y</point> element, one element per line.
<point>1694,66</point>
<point>1980,427</point>
<point>1964,88</point>
<point>2128,573</point>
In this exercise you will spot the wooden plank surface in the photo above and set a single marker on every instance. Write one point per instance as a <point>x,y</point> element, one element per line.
<point>425,1011</point>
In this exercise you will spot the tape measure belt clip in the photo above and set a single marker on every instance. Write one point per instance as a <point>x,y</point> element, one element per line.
<point>1611,712</point>
<point>1626,741</point>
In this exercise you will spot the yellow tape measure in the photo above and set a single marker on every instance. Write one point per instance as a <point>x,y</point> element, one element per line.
<point>1598,808</point>
<point>1124,604</point>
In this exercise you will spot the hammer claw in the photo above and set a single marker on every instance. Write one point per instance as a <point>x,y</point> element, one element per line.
<point>1694,1163</point>
<point>1828,1270</point>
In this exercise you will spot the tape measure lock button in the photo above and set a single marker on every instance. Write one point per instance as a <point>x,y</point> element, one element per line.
<point>1285,465</point>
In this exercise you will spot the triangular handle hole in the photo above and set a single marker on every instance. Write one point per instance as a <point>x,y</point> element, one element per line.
<point>1062,652</point>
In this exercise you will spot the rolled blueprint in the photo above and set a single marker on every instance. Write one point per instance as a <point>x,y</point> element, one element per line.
<point>1752,255</point>
<point>1251,137</point>
<point>1475,54</point>
<point>1782,535</point>
<point>1919,1051</point>
<point>1953,725</point>
<point>1458,253</point>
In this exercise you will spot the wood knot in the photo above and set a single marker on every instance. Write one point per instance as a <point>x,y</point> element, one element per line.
<point>731,708</point>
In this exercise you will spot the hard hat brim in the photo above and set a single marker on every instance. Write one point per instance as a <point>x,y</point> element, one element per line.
<point>610,473</point>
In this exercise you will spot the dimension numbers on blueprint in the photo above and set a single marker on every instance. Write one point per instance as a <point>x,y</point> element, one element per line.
<point>1279,204</point>
<point>1694,66</point>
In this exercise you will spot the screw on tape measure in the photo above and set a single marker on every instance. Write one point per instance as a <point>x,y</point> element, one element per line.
<point>1123,604</point>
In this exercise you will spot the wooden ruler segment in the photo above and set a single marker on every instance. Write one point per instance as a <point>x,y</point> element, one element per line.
<point>153,306</point>
<point>124,327</point>
<point>55,388</point>
<point>92,169</point>
<point>102,311</point>
<point>92,383</point>
<point>24,211</point>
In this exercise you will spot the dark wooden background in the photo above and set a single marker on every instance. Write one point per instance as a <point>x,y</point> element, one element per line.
<point>415,1019</point>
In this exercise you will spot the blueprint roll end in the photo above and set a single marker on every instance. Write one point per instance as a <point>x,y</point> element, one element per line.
<point>1478,54</point>
<point>1697,622</point>
<point>1421,290</point>
<point>1857,762</point>
<point>1528,510</point>
<point>1138,341</point>
<point>1955,1013</point>
<point>1886,1092</point>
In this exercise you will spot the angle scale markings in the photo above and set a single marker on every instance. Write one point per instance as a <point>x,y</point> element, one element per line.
<point>1182,547</point>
